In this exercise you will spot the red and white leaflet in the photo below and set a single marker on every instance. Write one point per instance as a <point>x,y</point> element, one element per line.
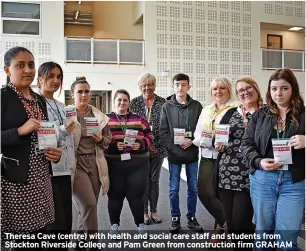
<point>206,139</point>
<point>222,135</point>
<point>92,126</point>
<point>179,136</point>
<point>47,135</point>
<point>70,112</point>
<point>130,137</point>
<point>282,151</point>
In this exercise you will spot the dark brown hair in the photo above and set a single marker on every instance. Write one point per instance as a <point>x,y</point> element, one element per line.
<point>122,91</point>
<point>78,80</point>
<point>296,102</point>
<point>45,69</point>
<point>11,54</point>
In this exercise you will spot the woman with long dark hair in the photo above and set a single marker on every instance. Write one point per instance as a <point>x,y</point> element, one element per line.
<point>273,146</point>
<point>50,80</point>
<point>26,191</point>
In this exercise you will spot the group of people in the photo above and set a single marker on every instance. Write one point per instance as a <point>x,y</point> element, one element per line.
<point>247,171</point>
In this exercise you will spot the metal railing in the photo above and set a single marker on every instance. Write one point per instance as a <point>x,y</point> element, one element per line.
<point>108,51</point>
<point>277,59</point>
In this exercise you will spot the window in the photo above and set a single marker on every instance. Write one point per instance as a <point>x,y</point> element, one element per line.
<point>21,18</point>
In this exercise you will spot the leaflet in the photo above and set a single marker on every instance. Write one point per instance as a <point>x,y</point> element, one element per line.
<point>92,126</point>
<point>282,151</point>
<point>222,135</point>
<point>206,139</point>
<point>130,137</point>
<point>46,135</point>
<point>179,136</point>
<point>70,112</point>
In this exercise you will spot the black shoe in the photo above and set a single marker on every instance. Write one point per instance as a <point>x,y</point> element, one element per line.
<point>175,224</point>
<point>194,224</point>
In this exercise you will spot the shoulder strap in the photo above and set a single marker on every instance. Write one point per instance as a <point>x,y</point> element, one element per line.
<point>227,116</point>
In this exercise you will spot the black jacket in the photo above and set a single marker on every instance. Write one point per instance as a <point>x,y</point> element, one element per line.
<point>171,118</point>
<point>256,138</point>
<point>13,146</point>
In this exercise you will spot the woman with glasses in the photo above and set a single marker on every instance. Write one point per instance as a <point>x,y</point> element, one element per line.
<point>233,173</point>
<point>149,105</point>
<point>273,146</point>
<point>91,167</point>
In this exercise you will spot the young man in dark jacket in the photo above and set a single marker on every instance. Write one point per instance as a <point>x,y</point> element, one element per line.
<point>178,121</point>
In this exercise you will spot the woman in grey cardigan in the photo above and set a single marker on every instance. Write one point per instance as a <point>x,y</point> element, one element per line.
<point>149,105</point>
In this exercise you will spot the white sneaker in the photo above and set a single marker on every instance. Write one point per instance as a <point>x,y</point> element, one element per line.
<point>114,229</point>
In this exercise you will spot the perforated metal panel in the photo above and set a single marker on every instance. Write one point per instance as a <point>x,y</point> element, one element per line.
<point>205,39</point>
<point>200,41</point>
<point>187,13</point>
<point>188,68</point>
<point>162,25</point>
<point>161,53</point>
<point>188,54</point>
<point>161,82</point>
<point>44,48</point>
<point>200,14</point>
<point>224,69</point>
<point>175,67</point>
<point>200,68</point>
<point>224,56</point>
<point>187,26</point>
<point>212,28</point>
<point>200,27</point>
<point>161,11</point>
<point>175,53</point>
<point>187,40</point>
<point>175,39</point>
<point>224,29</point>
<point>212,55</point>
<point>161,39</point>
<point>175,25</point>
<point>200,54</point>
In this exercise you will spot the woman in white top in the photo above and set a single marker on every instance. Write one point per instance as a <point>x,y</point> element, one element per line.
<point>50,80</point>
<point>209,118</point>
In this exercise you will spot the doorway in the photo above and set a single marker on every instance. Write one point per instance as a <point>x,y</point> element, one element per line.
<point>99,99</point>
<point>274,41</point>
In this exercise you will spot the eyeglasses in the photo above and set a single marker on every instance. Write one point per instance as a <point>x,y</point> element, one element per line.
<point>150,86</point>
<point>247,89</point>
<point>81,91</point>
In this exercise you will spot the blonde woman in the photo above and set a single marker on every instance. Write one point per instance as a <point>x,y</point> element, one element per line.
<point>149,106</point>
<point>221,92</point>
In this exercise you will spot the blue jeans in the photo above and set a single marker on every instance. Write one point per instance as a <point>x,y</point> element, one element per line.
<point>278,206</point>
<point>174,186</point>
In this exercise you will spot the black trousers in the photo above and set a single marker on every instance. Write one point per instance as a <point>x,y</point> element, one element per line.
<point>239,213</point>
<point>152,188</point>
<point>62,195</point>
<point>127,179</point>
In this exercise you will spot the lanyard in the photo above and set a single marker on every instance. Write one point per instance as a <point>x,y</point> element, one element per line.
<point>214,114</point>
<point>244,118</point>
<point>284,132</point>
<point>148,114</point>
<point>149,109</point>
<point>123,129</point>
<point>185,119</point>
<point>58,114</point>
<point>29,110</point>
